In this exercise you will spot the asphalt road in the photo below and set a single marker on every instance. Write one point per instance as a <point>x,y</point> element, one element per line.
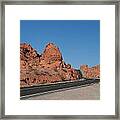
<point>40,89</point>
<point>91,92</point>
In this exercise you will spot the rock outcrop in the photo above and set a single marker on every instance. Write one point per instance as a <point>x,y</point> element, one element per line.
<point>48,67</point>
<point>90,72</point>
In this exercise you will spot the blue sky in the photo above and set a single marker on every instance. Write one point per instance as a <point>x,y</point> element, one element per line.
<point>78,40</point>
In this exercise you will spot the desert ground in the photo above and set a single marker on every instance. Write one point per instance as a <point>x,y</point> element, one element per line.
<point>91,92</point>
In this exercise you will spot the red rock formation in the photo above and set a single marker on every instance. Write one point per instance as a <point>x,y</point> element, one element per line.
<point>27,53</point>
<point>48,67</point>
<point>51,54</point>
<point>93,72</point>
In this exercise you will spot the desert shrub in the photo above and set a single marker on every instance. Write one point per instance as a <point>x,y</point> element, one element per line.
<point>79,73</point>
<point>65,70</point>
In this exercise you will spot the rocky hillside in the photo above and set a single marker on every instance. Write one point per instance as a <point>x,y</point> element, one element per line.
<point>47,67</point>
<point>90,72</point>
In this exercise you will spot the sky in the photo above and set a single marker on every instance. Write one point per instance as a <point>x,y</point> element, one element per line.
<point>78,40</point>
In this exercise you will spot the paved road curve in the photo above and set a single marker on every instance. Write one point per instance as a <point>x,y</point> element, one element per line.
<point>91,92</point>
<point>28,91</point>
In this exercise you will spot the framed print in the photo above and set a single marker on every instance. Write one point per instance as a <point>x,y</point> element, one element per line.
<point>59,59</point>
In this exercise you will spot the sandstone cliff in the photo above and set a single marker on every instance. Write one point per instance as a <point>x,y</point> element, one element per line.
<point>90,72</point>
<point>47,67</point>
